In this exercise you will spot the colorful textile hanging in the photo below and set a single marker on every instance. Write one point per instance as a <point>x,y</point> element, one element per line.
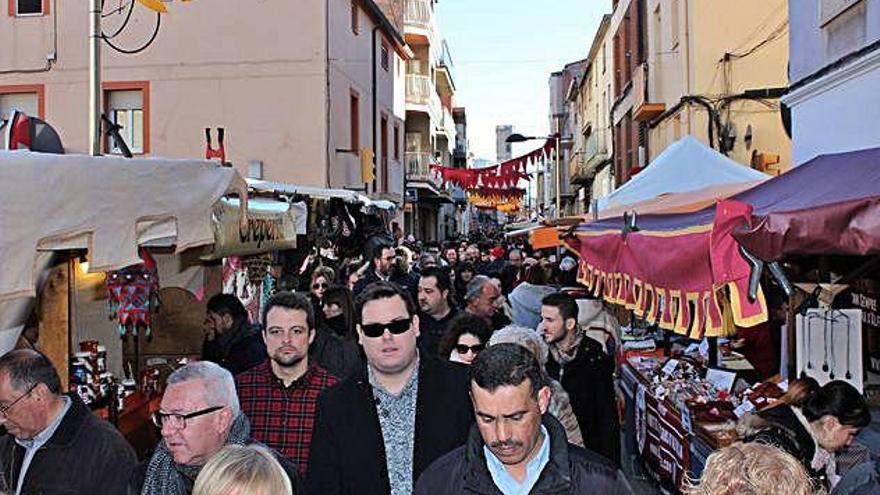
<point>672,270</point>
<point>130,291</point>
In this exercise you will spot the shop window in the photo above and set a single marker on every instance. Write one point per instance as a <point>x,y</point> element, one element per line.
<point>127,105</point>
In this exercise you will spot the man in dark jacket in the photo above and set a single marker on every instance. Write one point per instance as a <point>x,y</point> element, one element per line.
<point>375,434</point>
<point>54,443</point>
<point>230,340</point>
<point>198,416</point>
<point>436,311</point>
<point>585,371</point>
<point>516,447</point>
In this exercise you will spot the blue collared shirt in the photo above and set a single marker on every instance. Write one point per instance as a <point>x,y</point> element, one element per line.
<point>507,483</point>
<point>32,445</point>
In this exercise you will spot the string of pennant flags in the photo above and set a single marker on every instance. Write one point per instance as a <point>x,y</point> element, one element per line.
<point>495,187</point>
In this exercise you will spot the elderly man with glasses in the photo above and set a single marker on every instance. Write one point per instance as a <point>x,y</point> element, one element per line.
<point>375,433</point>
<point>198,416</point>
<point>54,444</point>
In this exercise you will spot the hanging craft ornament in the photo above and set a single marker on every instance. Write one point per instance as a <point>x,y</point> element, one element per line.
<point>131,291</point>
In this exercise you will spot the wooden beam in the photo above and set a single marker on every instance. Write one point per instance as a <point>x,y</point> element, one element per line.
<point>54,339</point>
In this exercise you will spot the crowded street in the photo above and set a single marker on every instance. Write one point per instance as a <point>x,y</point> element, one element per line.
<point>413,247</point>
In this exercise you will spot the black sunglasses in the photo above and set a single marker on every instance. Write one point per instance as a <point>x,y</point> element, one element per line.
<point>396,327</point>
<point>322,286</point>
<point>463,349</point>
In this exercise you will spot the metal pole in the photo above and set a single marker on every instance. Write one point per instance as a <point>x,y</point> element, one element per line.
<point>95,77</point>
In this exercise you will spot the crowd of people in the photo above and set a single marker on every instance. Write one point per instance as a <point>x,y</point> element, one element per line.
<point>465,369</point>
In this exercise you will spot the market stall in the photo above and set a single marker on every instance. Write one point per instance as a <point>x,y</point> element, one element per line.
<point>700,272</point>
<point>65,215</point>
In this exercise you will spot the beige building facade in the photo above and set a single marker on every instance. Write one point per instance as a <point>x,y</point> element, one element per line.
<point>714,69</point>
<point>590,96</point>
<point>292,83</point>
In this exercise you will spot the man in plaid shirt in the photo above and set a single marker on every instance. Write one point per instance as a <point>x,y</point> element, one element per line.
<point>280,396</point>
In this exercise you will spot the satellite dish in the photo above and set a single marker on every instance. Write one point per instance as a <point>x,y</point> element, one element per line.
<point>23,132</point>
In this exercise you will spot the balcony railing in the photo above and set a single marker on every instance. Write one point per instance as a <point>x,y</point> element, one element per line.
<point>595,146</point>
<point>418,14</point>
<point>420,90</point>
<point>418,166</point>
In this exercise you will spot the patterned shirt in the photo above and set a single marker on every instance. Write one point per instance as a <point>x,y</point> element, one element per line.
<point>397,417</point>
<point>282,417</point>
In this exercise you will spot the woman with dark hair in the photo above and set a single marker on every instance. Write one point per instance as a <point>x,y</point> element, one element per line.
<point>811,423</point>
<point>335,347</point>
<point>467,335</point>
<point>338,312</point>
<point>464,273</point>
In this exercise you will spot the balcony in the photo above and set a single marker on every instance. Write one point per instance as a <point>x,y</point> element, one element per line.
<point>421,96</point>
<point>585,162</point>
<point>418,22</point>
<point>418,167</point>
<point>644,109</point>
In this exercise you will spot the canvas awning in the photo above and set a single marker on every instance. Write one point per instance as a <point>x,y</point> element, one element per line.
<point>670,269</point>
<point>351,197</point>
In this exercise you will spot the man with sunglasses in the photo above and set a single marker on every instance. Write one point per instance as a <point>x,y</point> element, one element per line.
<point>377,432</point>
<point>230,339</point>
<point>54,444</point>
<point>198,416</point>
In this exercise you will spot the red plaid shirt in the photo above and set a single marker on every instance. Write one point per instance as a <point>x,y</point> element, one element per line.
<point>282,417</point>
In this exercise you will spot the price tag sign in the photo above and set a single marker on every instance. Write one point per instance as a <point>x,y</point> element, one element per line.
<point>686,419</point>
<point>669,367</point>
<point>722,380</point>
<point>743,409</point>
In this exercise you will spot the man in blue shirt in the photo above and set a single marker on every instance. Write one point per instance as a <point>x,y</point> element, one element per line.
<point>515,448</point>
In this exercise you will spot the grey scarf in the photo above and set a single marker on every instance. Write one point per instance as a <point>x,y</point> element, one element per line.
<point>166,477</point>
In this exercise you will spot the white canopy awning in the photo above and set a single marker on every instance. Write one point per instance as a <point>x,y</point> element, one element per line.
<point>352,197</point>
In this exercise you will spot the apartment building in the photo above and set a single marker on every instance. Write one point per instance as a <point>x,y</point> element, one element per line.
<point>834,73</point>
<point>590,164</point>
<point>430,126</point>
<point>561,122</point>
<point>629,136</point>
<point>302,89</point>
<point>716,73</point>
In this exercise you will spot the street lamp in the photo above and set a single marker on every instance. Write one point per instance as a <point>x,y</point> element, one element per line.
<point>519,138</point>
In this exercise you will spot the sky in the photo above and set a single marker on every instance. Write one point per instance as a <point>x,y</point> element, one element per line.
<point>503,52</point>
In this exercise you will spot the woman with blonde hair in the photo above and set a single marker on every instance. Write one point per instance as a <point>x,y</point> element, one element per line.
<point>243,470</point>
<point>751,469</point>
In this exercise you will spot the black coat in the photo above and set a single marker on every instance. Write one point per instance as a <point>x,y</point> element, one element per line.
<point>589,381</point>
<point>570,469</point>
<point>348,451</point>
<point>86,455</point>
<point>778,426</point>
<point>244,350</point>
<point>340,357</point>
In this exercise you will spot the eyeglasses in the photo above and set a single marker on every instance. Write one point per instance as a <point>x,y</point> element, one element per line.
<point>320,286</point>
<point>4,410</point>
<point>396,327</point>
<point>178,421</point>
<point>464,349</point>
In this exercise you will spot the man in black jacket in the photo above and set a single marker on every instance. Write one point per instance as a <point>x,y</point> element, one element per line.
<point>54,443</point>
<point>230,340</point>
<point>585,371</point>
<point>516,447</point>
<point>375,434</point>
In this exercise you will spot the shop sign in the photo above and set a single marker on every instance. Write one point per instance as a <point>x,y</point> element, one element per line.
<point>265,231</point>
<point>667,447</point>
